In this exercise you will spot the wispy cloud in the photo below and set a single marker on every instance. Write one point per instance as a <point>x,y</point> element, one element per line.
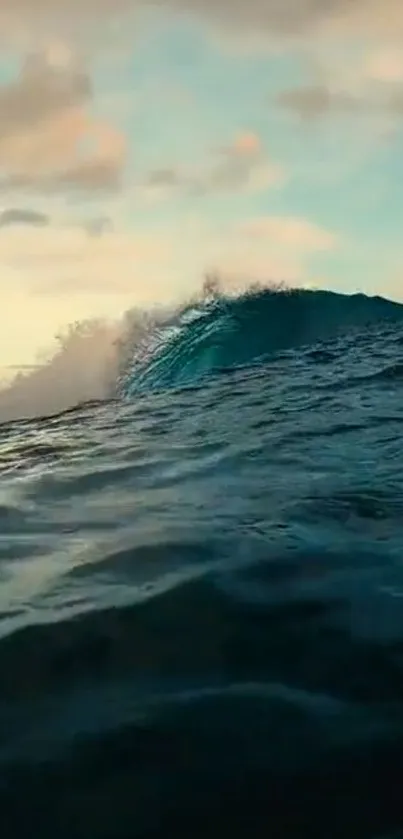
<point>94,21</point>
<point>67,261</point>
<point>15,216</point>
<point>316,101</point>
<point>267,249</point>
<point>299,234</point>
<point>27,217</point>
<point>281,16</point>
<point>302,18</point>
<point>242,165</point>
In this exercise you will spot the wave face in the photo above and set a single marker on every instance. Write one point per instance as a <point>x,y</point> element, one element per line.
<point>226,332</point>
<point>201,622</point>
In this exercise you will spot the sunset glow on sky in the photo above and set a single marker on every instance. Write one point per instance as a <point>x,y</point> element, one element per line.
<point>143,144</point>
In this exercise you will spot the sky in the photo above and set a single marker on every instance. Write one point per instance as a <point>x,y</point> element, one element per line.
<point>143,144</point>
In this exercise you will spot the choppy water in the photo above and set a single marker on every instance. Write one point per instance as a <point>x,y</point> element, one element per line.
<point>201,590</point>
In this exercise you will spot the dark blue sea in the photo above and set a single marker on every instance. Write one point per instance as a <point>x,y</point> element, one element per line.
<point>201,584</point>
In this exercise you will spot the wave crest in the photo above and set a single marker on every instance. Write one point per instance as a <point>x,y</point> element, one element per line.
<point>224,332</point>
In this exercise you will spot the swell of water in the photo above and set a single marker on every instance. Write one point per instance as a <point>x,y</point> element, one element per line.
<point>201,623</point>
<point>227,332</point>
<point>170,347</point>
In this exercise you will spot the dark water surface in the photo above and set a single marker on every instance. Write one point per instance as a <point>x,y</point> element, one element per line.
<point>201,599</point>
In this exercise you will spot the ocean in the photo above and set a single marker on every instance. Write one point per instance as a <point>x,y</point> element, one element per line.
<point>201,600</point>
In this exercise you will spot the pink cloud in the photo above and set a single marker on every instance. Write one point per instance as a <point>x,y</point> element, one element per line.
<point>45,125</point>
<point>246,144</point>
<point>386,65</point>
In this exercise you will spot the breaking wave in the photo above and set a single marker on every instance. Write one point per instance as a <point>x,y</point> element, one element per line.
<point>181,345</point>
<point>225,332</point>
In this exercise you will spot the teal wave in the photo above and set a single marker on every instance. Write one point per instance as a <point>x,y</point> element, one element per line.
<point>228,332</point>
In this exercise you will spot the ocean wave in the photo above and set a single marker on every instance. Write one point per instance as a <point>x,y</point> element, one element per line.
<point>230,332</point>
<point>185,344</point>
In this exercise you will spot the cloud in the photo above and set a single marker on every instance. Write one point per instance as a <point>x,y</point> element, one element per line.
<point>384,65</point>
<point>24,22</point>
<point>44,88</point>
<point>238,267</point>
<point>235,165</point>
<point>273,16</point>
<point>301,18</point>
<point>48,141</point>
<point>164,177</point>
<point>312,102</point>
<point>279,16</point>
<point>60,261</point>
<point>241,165</point>
<point>357,83</point>
<point>157,265</point>
<point>98,226</point>
<point>267,249</point>
<point>290,232</point>
<point>245,145</point>
<point>97,19</point>
<point>12,216</point>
